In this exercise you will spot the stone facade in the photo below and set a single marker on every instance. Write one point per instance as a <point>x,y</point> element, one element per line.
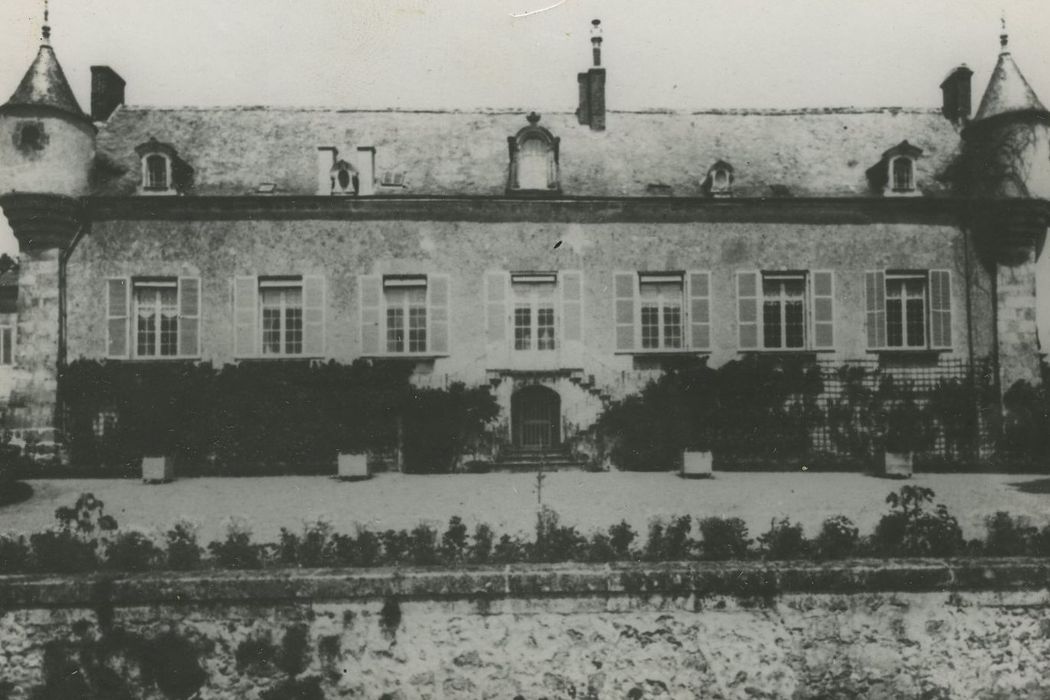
<point>486,250</point>
<point>840,631</point>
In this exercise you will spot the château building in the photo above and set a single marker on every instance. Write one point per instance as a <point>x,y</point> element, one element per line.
<point>561,259</point>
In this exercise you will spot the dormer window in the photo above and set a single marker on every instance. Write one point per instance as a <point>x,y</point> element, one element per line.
<point>719,181</point>
<point>902,174</point>
<point>157,173</point>
<point>533,159</point>
<point>163,172</point>
<point>894,174</point>
<point>344,178</point>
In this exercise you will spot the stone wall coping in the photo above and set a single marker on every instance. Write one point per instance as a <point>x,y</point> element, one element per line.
<point>679,580</point>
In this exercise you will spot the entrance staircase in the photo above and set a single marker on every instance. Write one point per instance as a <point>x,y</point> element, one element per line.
<point>549,460</point>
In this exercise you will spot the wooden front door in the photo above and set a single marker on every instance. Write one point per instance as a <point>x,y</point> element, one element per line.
<point>535,418</point>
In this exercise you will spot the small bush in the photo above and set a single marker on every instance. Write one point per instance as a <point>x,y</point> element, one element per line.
<point>423,546</point>
<point>723,538</point>
<point>556,542</point>
<point>784,540</point>
<point>454,541</point>
<point>14,554</point>
<point>237,551</point>
<point>910,530</point>
<point>482,545</point>
<point>1009,537</point>
<point>395,546</point>
<point>669,541</point>
<point>133,551</point>
<point>621,537</point>
<point>510,550</point>
<point>313,549</point>
<point>62,552</point>
<point>184,553</point>
<point>839,538</point>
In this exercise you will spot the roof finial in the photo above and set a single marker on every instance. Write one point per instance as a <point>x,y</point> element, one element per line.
<point>47,27</point>
<point>1003,36</point>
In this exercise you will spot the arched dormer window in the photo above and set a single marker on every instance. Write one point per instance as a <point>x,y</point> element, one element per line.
<point>533,159</point>
<point>157,175</point>
<point>344,178</point>
<point>163,172</point>
<point>894,174</point>
<point>719,181</point>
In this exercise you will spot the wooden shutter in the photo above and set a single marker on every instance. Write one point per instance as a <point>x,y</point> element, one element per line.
<point>313,315</point>
<point>625,285</point>
<point>118,302</point>
<point>571,283</point>
<point>699,291</point>
<point>875,304</point>
<point>370,290</point>
<point>747,309</point>
<point>940,308</point>
<point>823,289</point>
<point>189,316</point>
<point>245,316</point>
<point>438,291</point>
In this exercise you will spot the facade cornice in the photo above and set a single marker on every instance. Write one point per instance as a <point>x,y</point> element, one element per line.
<point>839,210</point>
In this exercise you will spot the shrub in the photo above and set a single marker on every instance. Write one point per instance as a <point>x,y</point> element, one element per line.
<point>315,548</point>
<point>454,541</point>
<point>839,538</point>
<point>133,551</point>
<point>510,550</point>
<point>784,540</point>
<point>395,546</point>
<point>363,550</point>
<point>62,552</point>
<point>910,530</point>
<point>423,546</point>
<point>184,553</point>
<point>482,545</point>
<point>1026,419</point>
<point>723,538</point>
<point>907,426</point>
<point>621,536</point>
<point>442,425</point>
<point>556,542</point>
<point>669,541</point>
<point>14,554</point>
<point>237,551</point>
<point>1009,537</point>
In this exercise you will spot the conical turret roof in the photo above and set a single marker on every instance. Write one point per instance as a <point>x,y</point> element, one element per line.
<point>1007,91</point>
<point>45,85</point>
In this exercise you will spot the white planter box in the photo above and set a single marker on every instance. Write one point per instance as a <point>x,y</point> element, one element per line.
<point>353,466</point>
<point>696,465</point>
<point>158,469</point>
<point>898,465</point>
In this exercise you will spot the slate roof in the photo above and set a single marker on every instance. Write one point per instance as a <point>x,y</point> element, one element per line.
<point>45,85</point>
<point>814,152</point>
<point>1007,91</point>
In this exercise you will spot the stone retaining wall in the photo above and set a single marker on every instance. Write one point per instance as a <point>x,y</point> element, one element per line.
<point>919,629</point>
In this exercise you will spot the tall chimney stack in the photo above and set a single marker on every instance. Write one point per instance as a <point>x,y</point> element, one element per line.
<point>592,85</point>
<point>107,92</point>
<point>956,93</point>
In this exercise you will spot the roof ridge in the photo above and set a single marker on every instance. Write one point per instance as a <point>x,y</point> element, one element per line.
<point>768,111</point>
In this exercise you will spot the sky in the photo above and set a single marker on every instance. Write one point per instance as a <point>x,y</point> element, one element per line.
<point>426,54</point>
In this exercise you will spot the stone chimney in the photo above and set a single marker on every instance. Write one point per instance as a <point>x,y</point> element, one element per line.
<point>956,92</point>
<point>107,92</point>
<point>592,85</point>
<point>366,163</point>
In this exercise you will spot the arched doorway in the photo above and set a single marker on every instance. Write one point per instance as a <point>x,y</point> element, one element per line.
<point>535,415</point>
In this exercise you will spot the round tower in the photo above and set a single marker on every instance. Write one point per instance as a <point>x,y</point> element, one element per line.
<point>47,148</point>
<point>1007,153</point>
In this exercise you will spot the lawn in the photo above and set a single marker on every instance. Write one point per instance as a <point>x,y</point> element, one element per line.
<point>508,501</point>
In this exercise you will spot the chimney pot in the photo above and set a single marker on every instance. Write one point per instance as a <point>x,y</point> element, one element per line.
<point>107,92</point>
<point>956,94</point>
<point>592,85</point>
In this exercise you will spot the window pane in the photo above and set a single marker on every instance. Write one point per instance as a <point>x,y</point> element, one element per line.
<point>771,324</point>
<point>522,327</point>
<point>794,326</point>
<point>271,327</point>
<point>902,174</point>
<point>156,173</point>
<point>650,326</point>
<point>293,330</point>
<point>395,329</point>
<point>673,326</point>
<point>417,329</point>
<point>169,321</point>
<point>894,322</point>
<point>916,326</point>
<point>545,328</point>
<point>146,322</point>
